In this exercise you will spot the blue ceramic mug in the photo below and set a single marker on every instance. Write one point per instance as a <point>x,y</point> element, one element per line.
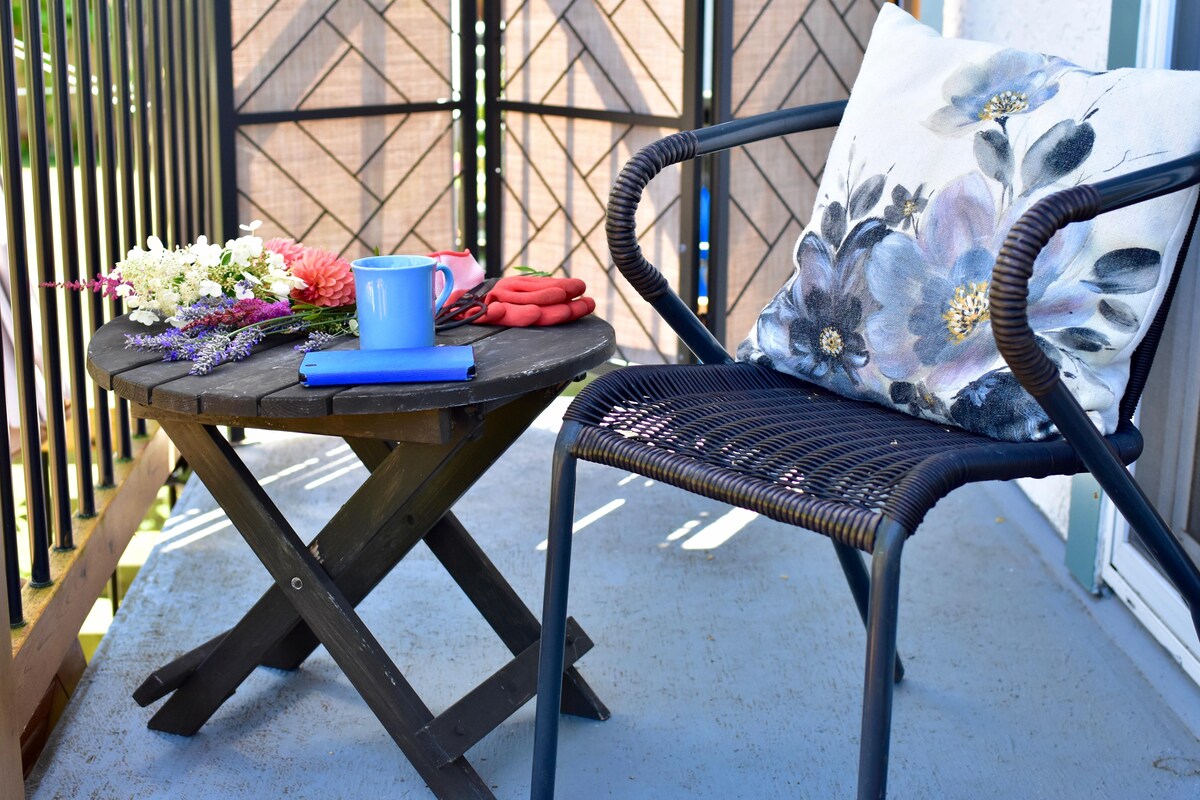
<point>395,300</point>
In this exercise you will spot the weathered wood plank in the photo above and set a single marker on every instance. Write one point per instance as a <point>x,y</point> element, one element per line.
<point>377,509</point>
<point>510,360</point>
<point>234,389</point>
<point>515,361</point>
<point>107,355</point>
<point>56,613</point>
<point>434,426</point>
<point>141,384</point>
<point>481,710</point>
<point>423,504</point>
<point>315,596</point>
<point>137,385</point>
<point>502,607</point>
<point>302,401</point>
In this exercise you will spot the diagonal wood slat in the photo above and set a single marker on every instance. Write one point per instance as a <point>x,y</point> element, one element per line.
<point>606,55</point>
<point>785,54</point>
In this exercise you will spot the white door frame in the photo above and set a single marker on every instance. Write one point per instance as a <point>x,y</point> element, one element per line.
<point>1139,584</point>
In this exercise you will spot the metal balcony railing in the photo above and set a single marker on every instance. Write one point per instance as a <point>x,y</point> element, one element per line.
<point>109,135</point>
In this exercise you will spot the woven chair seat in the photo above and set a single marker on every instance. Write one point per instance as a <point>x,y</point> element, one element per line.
<point>795,452</point>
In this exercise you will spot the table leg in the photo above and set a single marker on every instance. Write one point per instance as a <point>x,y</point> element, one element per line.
<point>397,493</point>
<point>317,598</point>
<point>406,491</point>
<point>503,608</point>
<point>379,511</point>
<point>480,581</point>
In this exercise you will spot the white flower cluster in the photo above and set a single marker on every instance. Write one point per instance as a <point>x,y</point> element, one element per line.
<point>258,268</point>
<point>155,283</point>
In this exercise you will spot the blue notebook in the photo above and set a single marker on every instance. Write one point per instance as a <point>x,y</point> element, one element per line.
<point>417,365</point>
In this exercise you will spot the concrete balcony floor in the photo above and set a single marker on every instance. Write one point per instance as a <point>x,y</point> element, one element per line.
<point>727,647</point>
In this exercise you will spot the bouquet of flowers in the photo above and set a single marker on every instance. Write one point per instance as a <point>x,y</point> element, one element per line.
<point>221,301</point>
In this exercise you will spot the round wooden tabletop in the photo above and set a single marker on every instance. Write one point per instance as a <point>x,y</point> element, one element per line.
<point>510,362</point>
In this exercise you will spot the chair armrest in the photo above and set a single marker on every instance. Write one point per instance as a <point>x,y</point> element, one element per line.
<point>1010,324</point>
<point>1009,290</point>
<point>620,223</point>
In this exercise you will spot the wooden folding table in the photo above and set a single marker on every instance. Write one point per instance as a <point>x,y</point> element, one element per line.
<point>425,445</point>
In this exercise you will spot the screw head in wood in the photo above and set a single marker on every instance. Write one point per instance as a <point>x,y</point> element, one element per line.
<point>297,583</point>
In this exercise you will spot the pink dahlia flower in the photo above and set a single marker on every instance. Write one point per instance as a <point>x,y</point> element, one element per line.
<point>290,249</point>
<point>329,278</point>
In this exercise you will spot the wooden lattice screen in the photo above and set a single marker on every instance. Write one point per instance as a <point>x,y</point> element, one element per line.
<point>349,133</point>
<point>784,53</point>
<point>346,123</point>
<point>586,84</point>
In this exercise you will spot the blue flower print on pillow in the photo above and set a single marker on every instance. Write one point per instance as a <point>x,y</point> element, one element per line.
<point>1010,82</point>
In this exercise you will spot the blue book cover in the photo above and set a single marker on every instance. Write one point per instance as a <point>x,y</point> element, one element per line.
<point>415,365</point>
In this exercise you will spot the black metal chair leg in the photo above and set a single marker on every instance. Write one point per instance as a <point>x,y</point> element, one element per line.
<point>1131,501</point>
<point>554,614</point>
<point>1125,494</point>
<point>860,586</point>
<point>881,658</point>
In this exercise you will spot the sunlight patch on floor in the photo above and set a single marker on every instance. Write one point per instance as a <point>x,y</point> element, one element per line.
<point>721,530</point>
<point>332,476</point>
<point>607,508</point>
<point>184,541</point>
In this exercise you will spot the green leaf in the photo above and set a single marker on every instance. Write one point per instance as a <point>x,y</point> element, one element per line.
<point>530,272</point>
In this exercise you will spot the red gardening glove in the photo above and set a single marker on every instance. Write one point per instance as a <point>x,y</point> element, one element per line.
<point>524,300</point>
<point>540,291</point>
<point>516,315</point>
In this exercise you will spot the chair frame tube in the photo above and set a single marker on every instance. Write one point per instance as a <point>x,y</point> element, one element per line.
<point>554,613</point>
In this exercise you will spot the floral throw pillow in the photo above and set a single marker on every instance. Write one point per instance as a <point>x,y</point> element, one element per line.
<point>944,144</point>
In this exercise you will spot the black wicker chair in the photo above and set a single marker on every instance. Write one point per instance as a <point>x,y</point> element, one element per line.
<point>861,474</point>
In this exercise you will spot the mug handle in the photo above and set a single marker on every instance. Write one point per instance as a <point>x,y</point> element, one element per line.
<point>446,290</point>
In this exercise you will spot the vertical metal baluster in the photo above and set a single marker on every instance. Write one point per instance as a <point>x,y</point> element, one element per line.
<point>18,260</point>
<point>67,215</point>
<point>91,222</point>
<point>720,207</point>
<point>144,107</point>
<point>224,126</point>
<point>154,109</point>
<point>204,30</point>
<point>468,110</point>
<point>125,149</point>
<point>493,139</point>
<point>123,134</point>
<point>10,168</point>
<point>43,225</point>
<point>191,75</point>
<point>173,80</point>
<point>108,136</point>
